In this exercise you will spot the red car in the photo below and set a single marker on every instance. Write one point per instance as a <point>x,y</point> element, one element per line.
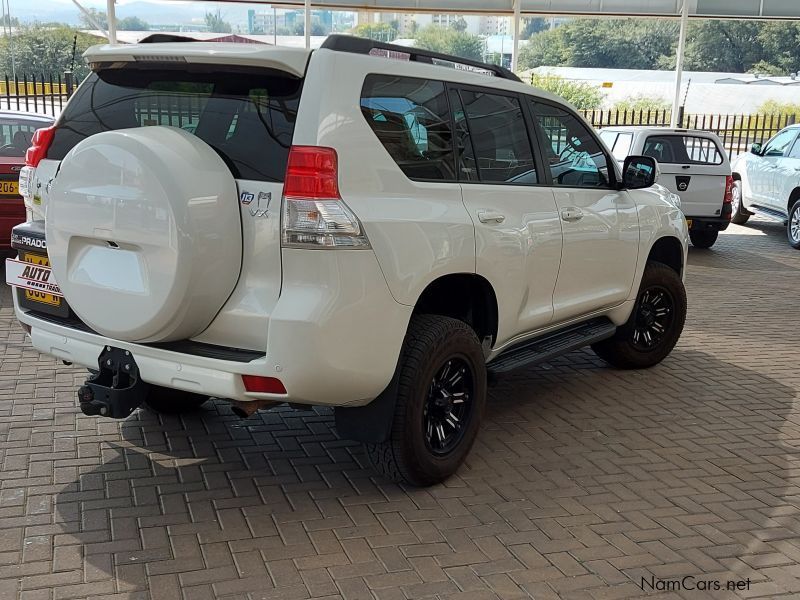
<point>16,130</point>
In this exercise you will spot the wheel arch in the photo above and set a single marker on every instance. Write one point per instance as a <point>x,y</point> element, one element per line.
<point>467,297</point>
<point>793,197</point>
<point>669,251</point>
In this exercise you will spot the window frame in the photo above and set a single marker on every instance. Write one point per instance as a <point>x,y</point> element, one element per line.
<point>611,162</point>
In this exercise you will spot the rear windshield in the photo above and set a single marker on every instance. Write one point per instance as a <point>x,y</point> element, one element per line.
<point>247,116</point>
<point>16,134</point>
<point>683,149</point>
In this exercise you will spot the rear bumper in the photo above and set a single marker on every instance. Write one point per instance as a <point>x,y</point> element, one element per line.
<point>708,223</point>
<point>334,338</point>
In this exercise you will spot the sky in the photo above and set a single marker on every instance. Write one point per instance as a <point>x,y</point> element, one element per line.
<point>152,11</point>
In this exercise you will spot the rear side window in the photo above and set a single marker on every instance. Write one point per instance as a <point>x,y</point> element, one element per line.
<point>499,137</point>
<point>411,119</point>
<point>683,149</point>
<point>247,116</point>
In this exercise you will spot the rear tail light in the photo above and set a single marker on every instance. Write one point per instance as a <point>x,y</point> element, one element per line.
<point>263,385</point>
<point>727,199</point>
<point>40,143</point>
<point>314,215</point>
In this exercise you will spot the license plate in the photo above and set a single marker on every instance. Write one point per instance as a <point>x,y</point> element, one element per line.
<point>689,223</point>
<point>33,274</point>
<point>9,188</point>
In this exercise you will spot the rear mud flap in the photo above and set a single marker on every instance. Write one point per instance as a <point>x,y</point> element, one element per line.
<point>115,390</point>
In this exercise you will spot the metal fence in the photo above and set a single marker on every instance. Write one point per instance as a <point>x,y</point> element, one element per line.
<point>737,132</point>
<point>45,94</point>
<point>49,93</point>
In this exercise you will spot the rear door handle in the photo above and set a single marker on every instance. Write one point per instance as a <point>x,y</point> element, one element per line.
<point>487,216</point>
<point>571,213</point>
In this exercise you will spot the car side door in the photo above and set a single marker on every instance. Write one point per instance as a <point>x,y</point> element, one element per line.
<point>599,220</point>
<point>763,171</point>
<point>517,227</point>
<point>787,177</point>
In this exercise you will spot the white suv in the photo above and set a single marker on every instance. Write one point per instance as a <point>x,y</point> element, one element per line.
<point>364,226</point>
<point>693,164</point>
<point>768,182</point>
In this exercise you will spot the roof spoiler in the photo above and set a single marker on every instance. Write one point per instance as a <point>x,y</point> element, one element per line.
<point>164,38</point>
<point>358,45</point>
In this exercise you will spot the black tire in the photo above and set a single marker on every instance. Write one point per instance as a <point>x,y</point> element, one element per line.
<point>629,348</point>
<point>168,401</point>
<point>739,215</point>
<point>793,226</point>
<point>703,238</point>
<point>416,452</point>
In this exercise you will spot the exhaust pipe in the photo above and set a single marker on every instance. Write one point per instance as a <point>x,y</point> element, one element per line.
<point>244,409</point>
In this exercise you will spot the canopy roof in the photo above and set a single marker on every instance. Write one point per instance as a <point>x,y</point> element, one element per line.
<point>740,9</point>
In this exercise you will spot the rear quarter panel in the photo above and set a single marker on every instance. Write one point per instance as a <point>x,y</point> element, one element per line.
<point>419,231</point>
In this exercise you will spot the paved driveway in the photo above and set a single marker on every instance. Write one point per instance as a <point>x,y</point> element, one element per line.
<point>585,482</point>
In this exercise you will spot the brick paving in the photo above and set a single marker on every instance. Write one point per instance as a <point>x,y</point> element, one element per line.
<point>584,479</point>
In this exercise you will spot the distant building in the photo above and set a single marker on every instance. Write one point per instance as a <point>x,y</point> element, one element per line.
<point>268,21</point>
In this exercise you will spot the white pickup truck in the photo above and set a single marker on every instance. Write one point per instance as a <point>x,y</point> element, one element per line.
<point>693,164</point>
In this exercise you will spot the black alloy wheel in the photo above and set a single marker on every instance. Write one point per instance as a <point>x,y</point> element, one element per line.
<point>448,406</point>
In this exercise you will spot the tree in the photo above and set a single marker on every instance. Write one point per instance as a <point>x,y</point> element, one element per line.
<point>99,17</point>
<point>382,32</point>
<point>216,23</point>
<point>460,24</point>
<point>532,26</point>
<point>642,103</point>
<point>543,49</point>
<point>583,96</point>
<point>46,51</point>
<point>450,41</point>
<point>133,24</point>
<point>7,21</point>
<point>775,107</point>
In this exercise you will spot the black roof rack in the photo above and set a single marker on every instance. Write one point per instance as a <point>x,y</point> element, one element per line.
<point>358,45</point>
<point>163,38</point>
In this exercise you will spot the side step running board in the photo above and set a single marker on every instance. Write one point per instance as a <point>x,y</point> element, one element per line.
<point>770,212</point>
<point>552,345</point>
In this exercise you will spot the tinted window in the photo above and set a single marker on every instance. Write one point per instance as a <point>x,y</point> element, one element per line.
<point>499,138</point>
<point>411,119</point>
<point>683,149</point>
<point>574,156</point>
<point>247,117</point>
<point>16,134</point>
<point>779,145</point>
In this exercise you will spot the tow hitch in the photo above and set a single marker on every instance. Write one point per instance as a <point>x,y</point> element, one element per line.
<point>115,390</point>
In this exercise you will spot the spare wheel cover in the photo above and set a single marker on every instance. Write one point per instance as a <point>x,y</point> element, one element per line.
<point>144,233</point>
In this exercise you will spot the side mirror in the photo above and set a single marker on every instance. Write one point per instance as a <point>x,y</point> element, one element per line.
<point>756,149</point>
<point>639,172</point>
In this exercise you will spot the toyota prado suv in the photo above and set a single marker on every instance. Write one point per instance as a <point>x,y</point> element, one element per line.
<point>368,227</point>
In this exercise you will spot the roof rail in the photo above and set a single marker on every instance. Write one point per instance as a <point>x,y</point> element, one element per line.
<point>358,45</point>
